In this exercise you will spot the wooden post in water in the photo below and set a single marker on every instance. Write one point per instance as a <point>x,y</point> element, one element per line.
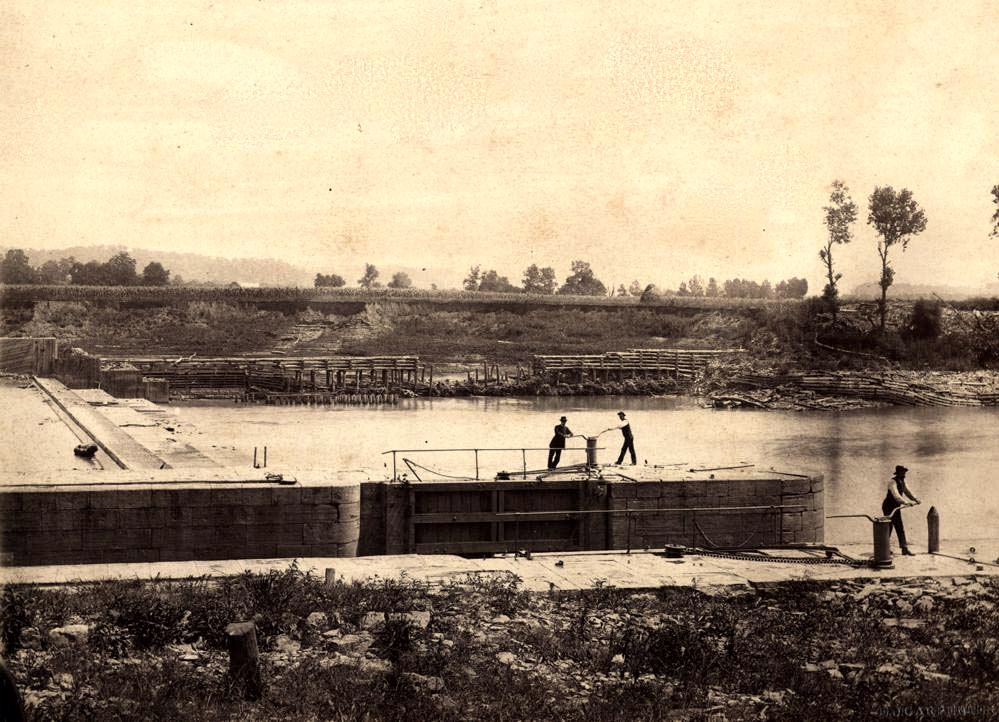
<point>244,658</point>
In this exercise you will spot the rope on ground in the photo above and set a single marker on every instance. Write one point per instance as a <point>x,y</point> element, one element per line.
<point>411,464</point>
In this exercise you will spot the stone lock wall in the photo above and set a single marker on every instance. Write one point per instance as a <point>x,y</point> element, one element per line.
<point>119,523</point>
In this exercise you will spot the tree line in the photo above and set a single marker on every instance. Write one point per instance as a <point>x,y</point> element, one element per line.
<point>119,270</point>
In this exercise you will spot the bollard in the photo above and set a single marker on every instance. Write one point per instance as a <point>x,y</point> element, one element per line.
<point>591,450</point>
<point>882,542</point>
<point>244,659</point>
<point>932,530</point>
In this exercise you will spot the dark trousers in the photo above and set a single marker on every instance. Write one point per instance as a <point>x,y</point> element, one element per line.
<point>554,454</point>
<point>887,507</point>
<point>629,445</point>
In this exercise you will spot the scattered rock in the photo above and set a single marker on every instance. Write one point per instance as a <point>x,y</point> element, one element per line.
<point>829,664</point>
<point>889,668</point>
<point>357,644</point>
<point>317,620</point>
<point>31,638</point>
<point>500,619</point>
<point>506,657</point>
<point>63,680</point>
<point>69,634</point>
<point>286,645</point>
<point>420,620</point>
<point>434,684</point>
<point>924,605</point>
<point>617,660</point>
<point>372,620</point>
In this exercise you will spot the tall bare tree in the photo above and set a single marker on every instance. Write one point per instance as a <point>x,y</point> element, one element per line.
<point>995,216</point>
<point>897,218</point>
<point>840,213</point>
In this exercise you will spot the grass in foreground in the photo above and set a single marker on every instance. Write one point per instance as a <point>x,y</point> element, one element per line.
<point>481,649</point>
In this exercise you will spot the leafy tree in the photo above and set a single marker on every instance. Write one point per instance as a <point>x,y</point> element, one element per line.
<point>696,286</point>
<point>155,275</point>
<point>91,273</point>
<point>792,288</point>
<point>368,280</point>
<point>14,268</point>
<point>539,280</point>
<point>471,282</point>
<point>712,290</point>
<point>55,272</point>
<point>582,282</point>
<point>492,282</point>
<point>925,320</point>
<point>120,270</point>
<point>995,216</point>
<point>897,218</point>
<point>621,290</point>
<point>635,288</point>
<point>331,280</point>
<point>400,280</point>
<point>840,213</point>
<point>683,290</point>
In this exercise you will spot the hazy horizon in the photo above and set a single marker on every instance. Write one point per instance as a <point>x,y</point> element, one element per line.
<point>654,140</point>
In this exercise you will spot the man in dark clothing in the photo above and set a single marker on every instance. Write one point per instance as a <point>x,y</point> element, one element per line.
<point>629,439</point>
<point>557,443</point>
<point>898,496</point>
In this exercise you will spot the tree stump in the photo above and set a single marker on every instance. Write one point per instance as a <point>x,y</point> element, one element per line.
<point>244,659</point>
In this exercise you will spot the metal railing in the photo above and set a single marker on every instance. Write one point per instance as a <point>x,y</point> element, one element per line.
<point>475,451</point>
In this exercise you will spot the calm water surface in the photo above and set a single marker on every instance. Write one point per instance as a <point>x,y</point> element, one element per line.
<point>952,454</point>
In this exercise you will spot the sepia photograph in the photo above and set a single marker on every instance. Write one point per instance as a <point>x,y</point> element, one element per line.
<point>477,360</point>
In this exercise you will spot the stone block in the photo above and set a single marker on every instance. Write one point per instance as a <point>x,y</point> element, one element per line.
<point>181,538</point>
<point>347,549</point>
<point>146,518</point>
<point>120,498</point>
<point>97,519</point>
<point>296,551</point>
<point>181,498</point>
<point>230,535</point>
<point>53,541</point>
<point>10,502</point>
<point>67,500</point>
<point>316,495</point>
<point>241,495</point>
<point>349,513</point>
<point>346,493</point>
<point>129,556</point>
<point>276,534</point>
<point>767,488</point>
<point>332,533</point>
<point>117,539</point>
<point>37,502</point>
<point>286,495</point>
<point>28,521</point>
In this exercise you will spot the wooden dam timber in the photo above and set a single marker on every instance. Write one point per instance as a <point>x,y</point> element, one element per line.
<point>659,362</point>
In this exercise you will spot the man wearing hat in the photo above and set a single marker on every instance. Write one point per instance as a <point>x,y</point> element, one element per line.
<point>629,439</point>
<point>557,443</point>
<point>898,496</point>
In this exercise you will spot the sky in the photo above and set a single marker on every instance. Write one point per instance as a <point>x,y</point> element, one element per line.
<point>655,140</point>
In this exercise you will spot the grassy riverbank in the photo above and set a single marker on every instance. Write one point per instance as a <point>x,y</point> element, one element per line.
<point>480,649</point>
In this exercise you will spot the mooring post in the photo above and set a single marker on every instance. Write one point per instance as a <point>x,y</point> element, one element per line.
<point>244,658</point>
<point>476,464</point>
<point>265,457</point>
<point>932,530</point>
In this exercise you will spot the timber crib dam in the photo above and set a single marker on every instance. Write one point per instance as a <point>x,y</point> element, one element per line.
<point>890,388</point>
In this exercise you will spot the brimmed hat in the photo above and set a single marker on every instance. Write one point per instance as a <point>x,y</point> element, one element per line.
<point>899,470</point>
<point>563,419</point>
<point>621,414</point>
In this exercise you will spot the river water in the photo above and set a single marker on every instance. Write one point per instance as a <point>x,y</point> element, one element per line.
<point>951,453</point>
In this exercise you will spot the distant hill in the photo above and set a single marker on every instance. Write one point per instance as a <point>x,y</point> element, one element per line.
<point>913,290</point>
<point>189,266</point>
<point>193,267</point>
